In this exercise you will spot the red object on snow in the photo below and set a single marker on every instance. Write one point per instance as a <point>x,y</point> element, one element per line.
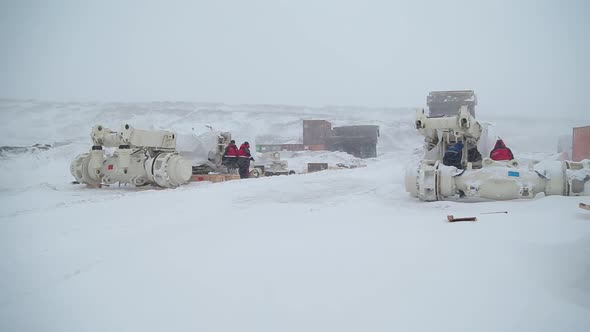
<point>501,152</point>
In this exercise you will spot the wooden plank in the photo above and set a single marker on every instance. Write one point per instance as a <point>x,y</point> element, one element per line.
<point>215,178</point>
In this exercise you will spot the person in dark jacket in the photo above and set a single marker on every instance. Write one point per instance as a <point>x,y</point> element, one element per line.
<point>454,155</point>
<point>501,151</point>
<point>244,158</point>
<point>474,157</point>
<point>230,156</point>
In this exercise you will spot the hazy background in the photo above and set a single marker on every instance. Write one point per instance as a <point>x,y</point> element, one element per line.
<point>524,56</point>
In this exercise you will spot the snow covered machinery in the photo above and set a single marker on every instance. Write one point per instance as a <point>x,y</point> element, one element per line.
<point>141,157</point>
<point>431,180</point>
<point>277,166</point>
<point>441,132</point>
<point>498,180</point>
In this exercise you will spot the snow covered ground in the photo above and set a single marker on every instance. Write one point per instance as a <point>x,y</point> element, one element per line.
<point>342,250</point>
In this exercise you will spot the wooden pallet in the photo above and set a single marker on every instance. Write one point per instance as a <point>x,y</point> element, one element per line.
<point>215,177</point>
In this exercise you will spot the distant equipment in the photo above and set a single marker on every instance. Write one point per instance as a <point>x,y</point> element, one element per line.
<point>277,166</point>
<point>448,103</point>
<point>141,157</point>
<point>273,166</point>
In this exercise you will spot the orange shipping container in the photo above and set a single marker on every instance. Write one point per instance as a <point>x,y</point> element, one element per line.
<point>581,143</point>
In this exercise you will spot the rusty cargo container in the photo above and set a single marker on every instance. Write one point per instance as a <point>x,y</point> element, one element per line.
<point>315,147</point>
<point>279,147</point>
<point>292,147</point>
<point>368,131</point>
<point>581,143</point>
<point>316,132</point>
<point>359,141</point>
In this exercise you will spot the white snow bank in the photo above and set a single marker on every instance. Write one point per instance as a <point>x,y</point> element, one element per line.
<point>343,250</point>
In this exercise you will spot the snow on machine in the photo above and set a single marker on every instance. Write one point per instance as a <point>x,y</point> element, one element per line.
<point>205,151</point>
<point>141,157</point>
<point>273,166</point>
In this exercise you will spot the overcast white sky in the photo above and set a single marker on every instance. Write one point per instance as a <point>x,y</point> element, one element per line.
<point>527,56</point>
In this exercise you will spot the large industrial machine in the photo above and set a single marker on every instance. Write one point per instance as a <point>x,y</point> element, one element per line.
<point>276,166</point>
<point>270,164</point>
<point>485,178</point>
<point>140,157</point>
<point>205,151</point>
<point>441,132</point>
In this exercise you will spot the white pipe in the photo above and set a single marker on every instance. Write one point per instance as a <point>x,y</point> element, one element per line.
<point>498,180</point>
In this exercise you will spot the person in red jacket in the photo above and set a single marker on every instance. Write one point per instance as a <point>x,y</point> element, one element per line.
<point>244,158</point>
<point>501,151</point>
<point>230,156</point>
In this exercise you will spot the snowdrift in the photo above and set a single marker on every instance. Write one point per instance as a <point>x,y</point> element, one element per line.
<point>344,250</point>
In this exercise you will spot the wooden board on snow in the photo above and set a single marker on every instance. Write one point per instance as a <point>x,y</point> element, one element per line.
<point>215,177</point>
<point>585,206</point>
